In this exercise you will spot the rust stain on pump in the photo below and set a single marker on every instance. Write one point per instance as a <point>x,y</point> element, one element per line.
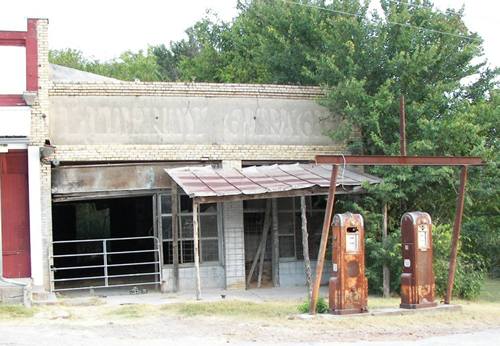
<point>417,279</point>
<point>348,286</point>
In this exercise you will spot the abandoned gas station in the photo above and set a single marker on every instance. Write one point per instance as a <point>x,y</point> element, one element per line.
<point>174,186</point>
<point>105,201</point>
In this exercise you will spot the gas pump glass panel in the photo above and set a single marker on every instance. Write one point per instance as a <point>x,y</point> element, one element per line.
<point>423,237</point>
<point>352,239</point>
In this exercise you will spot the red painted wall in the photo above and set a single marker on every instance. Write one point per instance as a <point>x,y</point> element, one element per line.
<point>15,214</point>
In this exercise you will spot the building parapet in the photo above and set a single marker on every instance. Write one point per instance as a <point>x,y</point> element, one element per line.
<point>184,89</point>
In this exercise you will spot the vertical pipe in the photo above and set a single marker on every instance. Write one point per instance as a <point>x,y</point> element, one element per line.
<point>324,240</point>
<point>196,249</point>
<point>175,235</point>
<point>456,235</point>
<point>402,126</point>
<point>275,244</point>
<point>385,269</point>
<point>105,262</point>
<point>305,246</point>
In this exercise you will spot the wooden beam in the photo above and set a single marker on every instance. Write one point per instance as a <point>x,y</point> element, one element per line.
<point>324,240</point>
<point>196,249</point>
<point>267,217</point>
<point>456,235</point>
<point>374,160</point>
<point>305,246</point>
<point>254,263</point>
<point>386,275</point>
<point>275,244</point>
<point>267,223</point>
<point>268,195</point>
<point>175,234</point>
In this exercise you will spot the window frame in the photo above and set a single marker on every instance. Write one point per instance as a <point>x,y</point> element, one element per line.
<point>189,214</point>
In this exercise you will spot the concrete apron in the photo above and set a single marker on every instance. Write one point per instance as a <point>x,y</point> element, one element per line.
<point>121,296</point>
<point>386,312</point>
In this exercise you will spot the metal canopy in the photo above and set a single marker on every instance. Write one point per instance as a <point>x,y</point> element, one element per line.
<point>402,160</point>
<point>377,160</point>
<point>208,184</point>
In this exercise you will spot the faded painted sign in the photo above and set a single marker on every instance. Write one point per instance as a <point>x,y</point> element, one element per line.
<point>187,120</point>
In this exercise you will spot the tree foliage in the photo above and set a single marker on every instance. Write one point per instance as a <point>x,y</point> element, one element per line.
<point>128,66</point>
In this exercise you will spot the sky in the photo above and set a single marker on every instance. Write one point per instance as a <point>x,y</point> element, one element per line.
<point>103,29</point>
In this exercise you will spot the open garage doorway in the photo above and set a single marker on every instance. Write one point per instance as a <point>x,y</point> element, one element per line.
<point>105,243</point>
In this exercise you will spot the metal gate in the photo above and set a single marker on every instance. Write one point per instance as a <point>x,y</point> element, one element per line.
<point>109,262</point>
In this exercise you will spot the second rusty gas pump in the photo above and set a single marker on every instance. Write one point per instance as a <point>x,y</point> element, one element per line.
<point>348,287</point>
<point>417,279</point>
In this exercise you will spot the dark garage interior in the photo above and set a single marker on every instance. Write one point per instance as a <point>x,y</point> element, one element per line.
<point>104,242</point>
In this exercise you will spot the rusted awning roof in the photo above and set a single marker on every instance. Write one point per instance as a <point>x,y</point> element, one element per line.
<point>218,184</point>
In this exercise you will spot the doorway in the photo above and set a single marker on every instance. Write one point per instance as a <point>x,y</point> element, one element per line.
<point>105,243</point>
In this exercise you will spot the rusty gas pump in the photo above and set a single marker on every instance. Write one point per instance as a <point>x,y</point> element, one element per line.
<point>348,287</point>
<point>417,279</point>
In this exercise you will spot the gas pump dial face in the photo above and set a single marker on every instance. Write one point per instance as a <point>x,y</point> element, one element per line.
<point>423,237</point>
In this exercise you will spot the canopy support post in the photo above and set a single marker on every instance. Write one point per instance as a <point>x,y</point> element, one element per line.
<point>275,244</point>
<point>196,248</point>
<point>456,235</point>
<point>324,240</point>
<point>305,246</point>
<point>386,275</point>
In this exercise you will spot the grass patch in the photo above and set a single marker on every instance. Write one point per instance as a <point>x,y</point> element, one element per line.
<point>233,308</point>
<point>15,311</point>
<point>131,311</point>
<point>490,292</point>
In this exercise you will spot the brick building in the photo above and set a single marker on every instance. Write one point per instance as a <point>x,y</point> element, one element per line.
<point>103,210</point>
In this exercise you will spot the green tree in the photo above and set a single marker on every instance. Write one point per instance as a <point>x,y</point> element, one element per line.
<point>128,66</point>
<point>365,61</point>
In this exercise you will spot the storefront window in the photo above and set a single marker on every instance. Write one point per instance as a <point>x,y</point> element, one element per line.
<point>209,239</point>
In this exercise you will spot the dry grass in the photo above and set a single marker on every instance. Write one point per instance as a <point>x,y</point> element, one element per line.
<point>15,311</point>
<point>234,308</point>
<point>483,312</point>
<point>132,311</point>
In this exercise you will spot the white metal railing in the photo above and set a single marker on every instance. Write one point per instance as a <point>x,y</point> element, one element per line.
<point>74,273</point>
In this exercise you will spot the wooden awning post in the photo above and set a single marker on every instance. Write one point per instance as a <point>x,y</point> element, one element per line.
<point>456,235</point>
<point>324,240</point>
<point>275,243</point>
<point>175,235</point>
<point>196,249</point>
<point>305,246</point>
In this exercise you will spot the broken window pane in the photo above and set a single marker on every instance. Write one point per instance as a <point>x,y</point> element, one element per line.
<point>186,204</point>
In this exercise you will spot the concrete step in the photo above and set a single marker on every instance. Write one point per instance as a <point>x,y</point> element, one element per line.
<point>44,298</point>
<point>11,294</point>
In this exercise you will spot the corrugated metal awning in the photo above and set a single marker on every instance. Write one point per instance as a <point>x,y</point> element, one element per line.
<point>209,184</point>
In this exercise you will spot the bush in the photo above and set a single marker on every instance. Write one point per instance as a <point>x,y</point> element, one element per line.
<point>321,306</point>
<point>470,272</point>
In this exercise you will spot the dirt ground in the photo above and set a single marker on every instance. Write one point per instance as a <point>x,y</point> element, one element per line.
<point>239,321</point>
